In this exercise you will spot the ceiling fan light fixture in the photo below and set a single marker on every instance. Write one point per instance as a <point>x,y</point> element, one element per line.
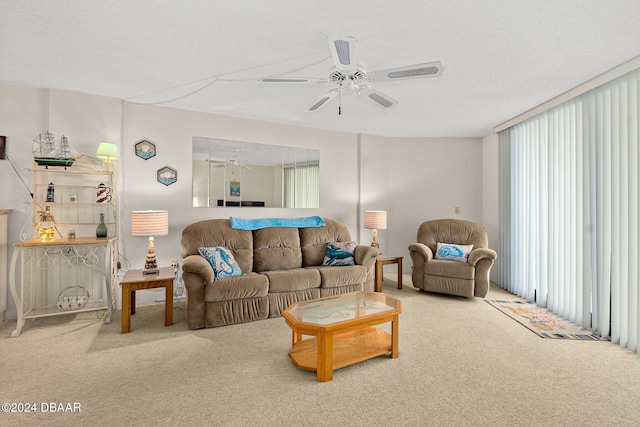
<point>426,71</point>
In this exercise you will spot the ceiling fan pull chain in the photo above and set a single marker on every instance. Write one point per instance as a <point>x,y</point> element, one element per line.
<point>340,100</point>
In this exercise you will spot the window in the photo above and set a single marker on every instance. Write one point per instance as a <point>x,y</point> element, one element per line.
<point>301,185</point>
<point>570,217</point>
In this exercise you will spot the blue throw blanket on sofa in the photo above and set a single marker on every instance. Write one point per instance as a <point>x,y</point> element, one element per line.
<point>255,224</point>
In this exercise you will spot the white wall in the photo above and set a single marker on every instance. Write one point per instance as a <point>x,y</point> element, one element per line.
<point>414,179</point>
<point>172,131</point>
<point>490,203</point>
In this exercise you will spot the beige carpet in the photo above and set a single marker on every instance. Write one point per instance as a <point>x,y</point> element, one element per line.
<point>461,362</point>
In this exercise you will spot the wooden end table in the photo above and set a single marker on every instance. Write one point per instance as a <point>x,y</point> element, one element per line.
<point>384,260</point>
<point>134,281</point>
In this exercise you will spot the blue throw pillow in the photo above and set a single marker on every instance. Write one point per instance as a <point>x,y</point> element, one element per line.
<point>222,262</point>
<point>451,252</point>
<point>339,253</point>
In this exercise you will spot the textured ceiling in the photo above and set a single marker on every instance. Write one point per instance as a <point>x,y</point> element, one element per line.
<point>501,57</point>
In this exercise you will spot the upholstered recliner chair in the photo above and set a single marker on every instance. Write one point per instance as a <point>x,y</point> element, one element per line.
<point>466,279</point>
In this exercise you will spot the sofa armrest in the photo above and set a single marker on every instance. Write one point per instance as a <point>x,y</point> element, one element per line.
<point>422,250</point>
<point>366,256</point>
<point>197,264</point>
<point>481,253</point>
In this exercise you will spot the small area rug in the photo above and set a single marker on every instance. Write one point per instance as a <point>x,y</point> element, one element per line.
<point>544,323</point>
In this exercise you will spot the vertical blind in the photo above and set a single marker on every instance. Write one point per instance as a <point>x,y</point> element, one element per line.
<point>569,190</point>
<point>301,184</point>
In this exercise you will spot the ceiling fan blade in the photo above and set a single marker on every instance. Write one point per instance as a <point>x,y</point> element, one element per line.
<point>377,98</point>
<point>344,51</point>
<point>296,80</point>
<point>322,101</point>
<point>417,71</point>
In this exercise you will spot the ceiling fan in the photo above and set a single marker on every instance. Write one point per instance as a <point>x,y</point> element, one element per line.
<point>233,157</point>
<point>351,76</point>
<point>225,163</point>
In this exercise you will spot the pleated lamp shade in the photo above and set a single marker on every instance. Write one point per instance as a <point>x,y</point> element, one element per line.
<point>149,223</point>
<point>375,220</point>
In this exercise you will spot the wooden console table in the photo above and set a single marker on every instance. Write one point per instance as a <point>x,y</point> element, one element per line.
<point>384,260</point>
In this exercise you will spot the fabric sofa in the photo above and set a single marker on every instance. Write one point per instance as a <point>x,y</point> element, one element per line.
<point>280,266</point>
<point>468,278</point>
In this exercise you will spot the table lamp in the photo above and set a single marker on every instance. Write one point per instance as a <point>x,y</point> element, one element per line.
<point>107,151</point>
<point>149,224</point>
<point>375,220</point>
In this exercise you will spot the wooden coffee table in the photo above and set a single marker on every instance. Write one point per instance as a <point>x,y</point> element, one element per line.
<point>343,329</point>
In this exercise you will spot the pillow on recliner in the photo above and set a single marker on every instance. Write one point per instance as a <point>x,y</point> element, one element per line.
<point>222,262</point>
<point>340,253</point>
<point>451,252</point>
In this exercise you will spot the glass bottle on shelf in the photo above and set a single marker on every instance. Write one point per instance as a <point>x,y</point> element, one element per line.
<point>47,229</point>
<point>101,231</point>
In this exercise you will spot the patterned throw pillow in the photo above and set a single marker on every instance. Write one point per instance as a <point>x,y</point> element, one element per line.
<point>222,262</point>
<point>451,252</point>
<point>339,253</point>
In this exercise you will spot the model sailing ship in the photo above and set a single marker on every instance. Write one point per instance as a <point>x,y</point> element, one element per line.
<point>51,150</point>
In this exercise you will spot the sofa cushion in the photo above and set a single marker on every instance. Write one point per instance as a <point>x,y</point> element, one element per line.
<point>453,252</point>
<point>222,262</point>
<point>459,270</point>
<point>292,280</point>
<point>276,248</point>
<point>218,232</point>
<point>335,277</point>
<point>313,240</point>
<point>456,231</point>
<point>250,285</point>
<point>339,254</point>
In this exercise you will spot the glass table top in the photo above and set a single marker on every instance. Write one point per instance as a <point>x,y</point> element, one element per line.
<point>343,307</point>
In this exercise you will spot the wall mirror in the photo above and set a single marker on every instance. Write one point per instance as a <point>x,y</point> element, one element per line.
<point>241,174</point>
